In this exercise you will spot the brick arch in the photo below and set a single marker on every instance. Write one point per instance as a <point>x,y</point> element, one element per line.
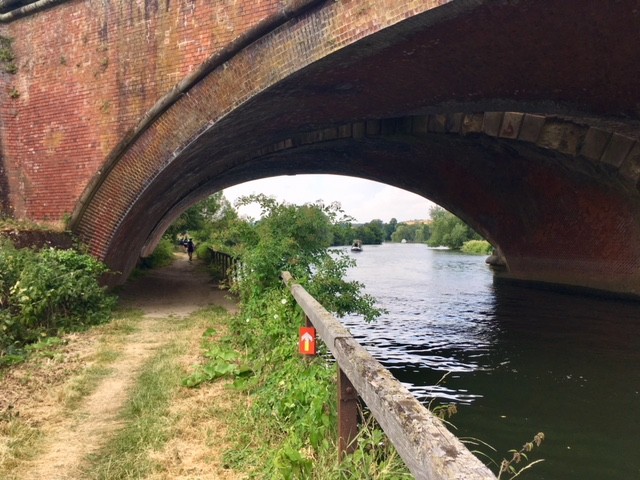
<point>558,196</point>
<point>468,163</point>
<point>320,72</point>
<point>208,105</point>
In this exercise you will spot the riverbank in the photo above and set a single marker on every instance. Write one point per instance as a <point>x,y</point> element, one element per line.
<point>108,403</point>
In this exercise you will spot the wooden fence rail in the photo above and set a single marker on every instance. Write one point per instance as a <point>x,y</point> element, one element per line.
<point>227,264</point>
<point>428,449</point>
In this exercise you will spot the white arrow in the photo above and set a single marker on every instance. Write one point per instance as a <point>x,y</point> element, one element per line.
<point>307,337</point>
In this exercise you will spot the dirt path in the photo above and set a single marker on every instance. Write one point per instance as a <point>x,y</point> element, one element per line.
<point>69,437</point>
<point>180,289</point>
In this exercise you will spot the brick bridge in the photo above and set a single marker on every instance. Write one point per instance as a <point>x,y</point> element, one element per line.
<point>520,116</point>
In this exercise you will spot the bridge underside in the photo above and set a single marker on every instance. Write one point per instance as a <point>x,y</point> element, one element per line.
<point>555,194</point>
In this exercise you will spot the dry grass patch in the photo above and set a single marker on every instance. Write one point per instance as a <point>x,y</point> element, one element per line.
<point>36,394</point>
<point>200,416</point>
<point>199,435</point>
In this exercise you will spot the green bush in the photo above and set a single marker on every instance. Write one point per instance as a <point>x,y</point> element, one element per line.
<point>47,292</point>
<point>203,251</point>
<point>161,256</point>
<point>477,247</point>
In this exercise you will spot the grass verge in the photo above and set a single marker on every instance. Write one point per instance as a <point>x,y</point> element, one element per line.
<point>286,425</point>
<point>156,422</point>
<point>126,455</point>
<point>70,368</point>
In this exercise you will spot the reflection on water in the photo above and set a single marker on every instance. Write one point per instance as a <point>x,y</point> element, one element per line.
<point>521,360</point>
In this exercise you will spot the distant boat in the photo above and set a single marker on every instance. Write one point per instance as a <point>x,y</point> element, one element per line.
<point>356,246</point>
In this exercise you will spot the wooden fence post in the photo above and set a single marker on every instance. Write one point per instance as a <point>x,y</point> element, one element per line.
<point>347,415</point>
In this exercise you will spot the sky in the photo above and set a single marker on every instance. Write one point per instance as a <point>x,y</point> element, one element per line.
<point>362,199</point>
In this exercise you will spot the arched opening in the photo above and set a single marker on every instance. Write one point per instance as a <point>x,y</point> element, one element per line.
<point>529,183</point>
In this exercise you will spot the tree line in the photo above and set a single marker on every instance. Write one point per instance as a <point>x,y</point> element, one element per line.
<point>216,214</point>
<point>442,229</point>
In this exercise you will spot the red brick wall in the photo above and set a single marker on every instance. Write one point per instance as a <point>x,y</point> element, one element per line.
<point>150,183</point>
<point>87,73</point>
<point>90,72</point>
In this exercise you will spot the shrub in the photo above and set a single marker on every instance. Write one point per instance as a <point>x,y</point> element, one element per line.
<point>46,292</point>
<point>203,251</point>
<point>477,247</point>
<point>292,409</point>
<point>161,256</point>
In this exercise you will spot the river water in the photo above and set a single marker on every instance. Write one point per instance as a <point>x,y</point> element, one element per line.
<point>521,360</point>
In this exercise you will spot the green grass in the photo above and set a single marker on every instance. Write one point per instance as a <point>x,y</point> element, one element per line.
<point>289,429</point>
<point>113,336</point>
<point>146,418</point>
<point>126,455</point>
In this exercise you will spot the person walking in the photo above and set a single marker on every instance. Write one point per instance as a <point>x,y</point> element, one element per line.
<point>190,248</point>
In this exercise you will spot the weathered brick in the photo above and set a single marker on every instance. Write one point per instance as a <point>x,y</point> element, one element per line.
<point>491,123</point>
<point>531,127</point>
<point>437,123</point>
<point>617,149</point>
<point>472,123</point>
<point>595,142</point>
<point>68,68</point>
<point>511,125</point>
<point>630,167</point>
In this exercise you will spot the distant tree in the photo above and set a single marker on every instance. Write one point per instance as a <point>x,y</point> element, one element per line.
<point>213,213</point>
<point>404,232</point>
<point>371,233</point>
<point>423,233</point>
<point>343,233</point>
<point>390,228</point>
<point>416,232</point>
<point>448,230</point>
<point>377,231</point>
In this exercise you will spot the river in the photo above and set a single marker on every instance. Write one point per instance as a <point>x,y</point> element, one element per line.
<point>521,360</point>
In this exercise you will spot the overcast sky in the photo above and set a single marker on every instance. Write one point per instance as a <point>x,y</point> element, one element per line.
<point>362,199</point>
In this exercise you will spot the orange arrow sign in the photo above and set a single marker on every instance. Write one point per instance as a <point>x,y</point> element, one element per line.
<point>307,341</point>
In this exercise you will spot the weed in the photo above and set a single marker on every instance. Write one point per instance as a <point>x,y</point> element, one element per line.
<point>7,57</point>
<point>289,429</point>
<point>508,466</point>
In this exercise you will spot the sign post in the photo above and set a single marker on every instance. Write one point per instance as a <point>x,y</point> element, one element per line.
<point>307,344</point>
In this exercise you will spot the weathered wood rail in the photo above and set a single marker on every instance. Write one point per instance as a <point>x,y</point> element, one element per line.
<point>428,449</point>
<point>227,264</point>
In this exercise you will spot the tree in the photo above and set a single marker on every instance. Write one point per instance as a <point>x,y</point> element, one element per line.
<point>390,228</point>
<point>448,230</point>
<point>296,238</point>
<point>423,233</point>
<point>343,233</point>
<point>372,233</point>
<point>200,220</point>
<point>404,232</point>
